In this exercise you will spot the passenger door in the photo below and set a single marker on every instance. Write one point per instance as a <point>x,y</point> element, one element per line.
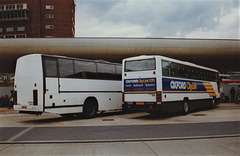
<point>51,81</point>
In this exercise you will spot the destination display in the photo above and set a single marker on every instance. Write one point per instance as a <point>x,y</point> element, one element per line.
<point>140,85</point>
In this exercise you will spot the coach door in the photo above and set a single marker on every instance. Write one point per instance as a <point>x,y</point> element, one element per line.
<point>51,81</point>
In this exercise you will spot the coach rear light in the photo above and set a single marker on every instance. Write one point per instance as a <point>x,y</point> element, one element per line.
<point>35,97</point>
<point>159,96</point>
<point>122,96</point>
<point>15,98</point>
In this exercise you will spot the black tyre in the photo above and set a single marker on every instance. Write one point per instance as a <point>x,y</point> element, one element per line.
<point>185,108</point>
<point>90,108</point>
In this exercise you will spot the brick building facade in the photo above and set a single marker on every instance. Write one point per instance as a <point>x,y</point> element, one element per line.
<point>37,18</point>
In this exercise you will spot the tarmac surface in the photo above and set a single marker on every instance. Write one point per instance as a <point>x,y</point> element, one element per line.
<point>202,132</point>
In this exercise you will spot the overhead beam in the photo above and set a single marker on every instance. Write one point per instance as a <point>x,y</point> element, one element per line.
<point>221,54</point>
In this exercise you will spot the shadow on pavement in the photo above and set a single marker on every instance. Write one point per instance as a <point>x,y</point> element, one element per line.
<point>72,118</point>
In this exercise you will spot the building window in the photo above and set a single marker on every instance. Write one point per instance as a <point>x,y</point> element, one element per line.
<point>21,29</point>
<point>49,26</point>
<point>1,7</point>
<point>50,7</point>
<point>21,36</point>
<point>13,7</point>
<point>1,29</point>
<point>14,36</point>
<point>9,29</point>
<point>13,15</point>
<point>49,16</point>
<point>10,36</point>
<point>19,6</point>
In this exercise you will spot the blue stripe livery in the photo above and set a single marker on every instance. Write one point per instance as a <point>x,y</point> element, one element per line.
<point>170,84</point>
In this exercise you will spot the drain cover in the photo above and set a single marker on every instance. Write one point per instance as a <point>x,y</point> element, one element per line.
<point>107,119</point>
<point>199,115</point>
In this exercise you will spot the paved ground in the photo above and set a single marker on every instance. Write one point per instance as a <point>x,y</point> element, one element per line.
<point>224,112</point>
<point>201,147</point>
<point>119,133</point>
<point>204,132</point>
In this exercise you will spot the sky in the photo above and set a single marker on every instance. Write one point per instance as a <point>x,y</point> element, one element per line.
<point>216,19</point>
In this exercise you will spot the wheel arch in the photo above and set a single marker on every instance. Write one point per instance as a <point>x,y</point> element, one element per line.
<point>91,98</point>
<point>186,99</point>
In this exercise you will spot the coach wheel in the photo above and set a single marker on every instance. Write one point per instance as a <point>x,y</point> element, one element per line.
<point>90,108</point>
<point>185,107</point>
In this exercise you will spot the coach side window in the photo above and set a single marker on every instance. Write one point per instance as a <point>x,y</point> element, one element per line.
<point>174,69</point>
<point>165,68</point>
<point>106,71</point>
<point>180,71</point>
<point>119,72</point>
<point>85,69</point>
<point>212,76</point>
<point>50,67</point>
<point>185,71</point>
<point>66,68</point>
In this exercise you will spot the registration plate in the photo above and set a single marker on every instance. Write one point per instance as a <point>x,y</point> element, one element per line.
<point>24,107</point>
<point>139,103</point>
